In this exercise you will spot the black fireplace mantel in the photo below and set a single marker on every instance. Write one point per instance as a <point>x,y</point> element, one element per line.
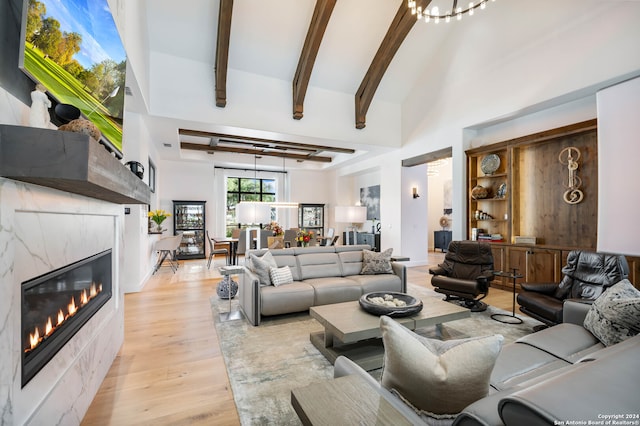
<point>70,162</point>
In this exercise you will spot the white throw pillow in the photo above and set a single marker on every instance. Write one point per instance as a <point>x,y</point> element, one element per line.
<point>261,265</point>
<point>439,378</point>
<point>281,276</point>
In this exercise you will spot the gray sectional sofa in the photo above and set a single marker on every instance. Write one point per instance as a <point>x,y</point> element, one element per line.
<point>559,375</point>
<point>321,275</point>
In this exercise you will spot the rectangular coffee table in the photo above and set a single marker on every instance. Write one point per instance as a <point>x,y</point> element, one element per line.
<point>354,333</point>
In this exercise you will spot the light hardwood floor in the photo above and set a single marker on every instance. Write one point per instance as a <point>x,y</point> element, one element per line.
<point>170,369</point>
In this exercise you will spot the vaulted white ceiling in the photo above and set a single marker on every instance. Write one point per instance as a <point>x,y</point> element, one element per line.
<point>174,56</point>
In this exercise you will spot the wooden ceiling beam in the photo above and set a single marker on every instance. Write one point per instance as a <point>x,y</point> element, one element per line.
<point>222,51</point>
<point>321,15</point>
<point>292,145</point>
<point>249,151</point>
<point>397,32</point>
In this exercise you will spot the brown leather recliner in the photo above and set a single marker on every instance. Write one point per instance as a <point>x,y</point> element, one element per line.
<point>465,273</point>
<point>586,276</point>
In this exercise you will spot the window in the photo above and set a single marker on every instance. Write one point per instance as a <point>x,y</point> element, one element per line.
<point>247,189</point>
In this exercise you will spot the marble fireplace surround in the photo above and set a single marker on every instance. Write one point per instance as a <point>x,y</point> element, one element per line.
<point>42,229</point>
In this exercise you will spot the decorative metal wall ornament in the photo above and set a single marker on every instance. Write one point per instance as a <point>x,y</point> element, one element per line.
<point>570,157</point>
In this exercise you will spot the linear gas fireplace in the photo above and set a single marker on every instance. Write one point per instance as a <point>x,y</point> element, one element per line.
<point>57,304</point>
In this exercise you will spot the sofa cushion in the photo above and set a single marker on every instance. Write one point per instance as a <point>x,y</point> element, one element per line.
<point>519,362</point>
<point>319,265</point>
<point>280,276</point>
<point>382,282</point>
<point>615,316</point>
<point>334,290</point>
<point>376,263</point>
<point>294,297</point>
<point>568,342</point>
<point>261,266</point>
<point>439,377</point>
<point>351,262</point>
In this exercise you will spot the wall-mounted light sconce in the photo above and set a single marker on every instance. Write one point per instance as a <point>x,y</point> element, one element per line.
<point>415,192</point>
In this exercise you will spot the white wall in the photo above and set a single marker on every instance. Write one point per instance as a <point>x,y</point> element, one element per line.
<point>618,171</point>
<point>188,181</point>
<point>436,194</point>
<point>415,228</point>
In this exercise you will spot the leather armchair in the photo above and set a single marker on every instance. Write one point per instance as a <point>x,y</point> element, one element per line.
<point>585,277</point>
<point>465,273</point>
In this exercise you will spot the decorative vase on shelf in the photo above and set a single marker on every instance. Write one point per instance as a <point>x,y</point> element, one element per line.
<point>158,227</point>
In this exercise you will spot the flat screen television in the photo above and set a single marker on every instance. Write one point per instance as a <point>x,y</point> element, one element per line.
<point>73,48</point>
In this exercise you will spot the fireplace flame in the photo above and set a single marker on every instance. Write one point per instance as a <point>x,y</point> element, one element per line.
<point>48,329</point>
<point>35,339</point>
<point>83,298</point>
<point>72,309</point>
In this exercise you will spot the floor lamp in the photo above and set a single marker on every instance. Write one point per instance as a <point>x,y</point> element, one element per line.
<point>351,215</point>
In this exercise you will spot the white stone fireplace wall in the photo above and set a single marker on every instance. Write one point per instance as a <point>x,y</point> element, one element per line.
<point>43,229</point>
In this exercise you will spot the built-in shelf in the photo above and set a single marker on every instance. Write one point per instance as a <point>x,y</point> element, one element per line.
<point>71,162</point>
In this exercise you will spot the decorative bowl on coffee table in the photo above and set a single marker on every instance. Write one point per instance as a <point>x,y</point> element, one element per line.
<point>412,305</point>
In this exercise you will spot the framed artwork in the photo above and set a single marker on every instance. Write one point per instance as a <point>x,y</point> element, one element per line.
<point>370,198</point>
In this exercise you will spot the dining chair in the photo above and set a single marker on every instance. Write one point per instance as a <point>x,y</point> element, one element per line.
<point>327,239</point>
<point>166,248</point>
<point>241,248</point>
<point>213,251</point>
<point>290,236</point>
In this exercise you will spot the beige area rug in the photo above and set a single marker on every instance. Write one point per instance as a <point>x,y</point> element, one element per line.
<point>264,363</point>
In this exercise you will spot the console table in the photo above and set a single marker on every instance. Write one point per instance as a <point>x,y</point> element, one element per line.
<point>347,400</point>
<point>441,240</point>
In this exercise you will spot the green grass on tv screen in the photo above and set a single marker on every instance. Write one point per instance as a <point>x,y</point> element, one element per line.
<point>68,90</point>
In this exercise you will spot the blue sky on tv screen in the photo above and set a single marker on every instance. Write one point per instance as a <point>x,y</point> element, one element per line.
<point>93,21</point>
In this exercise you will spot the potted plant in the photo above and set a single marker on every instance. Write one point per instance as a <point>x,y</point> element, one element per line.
<point>158,216</point>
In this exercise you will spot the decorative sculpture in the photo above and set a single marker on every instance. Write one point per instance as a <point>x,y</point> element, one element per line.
<point>40,104</point>
<point>570,157</point>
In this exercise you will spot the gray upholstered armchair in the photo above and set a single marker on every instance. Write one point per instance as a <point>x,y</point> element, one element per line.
<point>465,273</point>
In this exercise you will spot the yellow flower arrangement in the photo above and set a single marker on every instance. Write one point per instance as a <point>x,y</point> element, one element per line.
<point>158,216</point>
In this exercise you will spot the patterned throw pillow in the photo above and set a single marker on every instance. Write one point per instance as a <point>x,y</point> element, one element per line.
<point>376,263</point>
<point>281,276</point>
<point>261,266</point>
<point>438,378</point>
<point>615,315</point>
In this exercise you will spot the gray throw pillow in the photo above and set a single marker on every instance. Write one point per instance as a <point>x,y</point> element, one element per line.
<point>261,265</point>
<point>615,315</point>
<point>439,378</point>
<point>376,263</point>
<point>281,276</point>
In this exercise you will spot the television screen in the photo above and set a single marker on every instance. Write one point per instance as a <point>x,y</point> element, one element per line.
<point>73,48</point>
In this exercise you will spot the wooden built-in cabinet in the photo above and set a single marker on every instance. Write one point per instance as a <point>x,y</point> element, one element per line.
<point>525,198</point>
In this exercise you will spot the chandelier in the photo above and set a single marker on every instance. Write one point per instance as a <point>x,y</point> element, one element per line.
<point>436,15</point>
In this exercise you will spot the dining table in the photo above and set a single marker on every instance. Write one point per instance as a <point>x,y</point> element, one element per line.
<point>233,249</point>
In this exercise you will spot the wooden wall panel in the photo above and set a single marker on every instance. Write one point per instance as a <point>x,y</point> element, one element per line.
<point>539,187</point>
